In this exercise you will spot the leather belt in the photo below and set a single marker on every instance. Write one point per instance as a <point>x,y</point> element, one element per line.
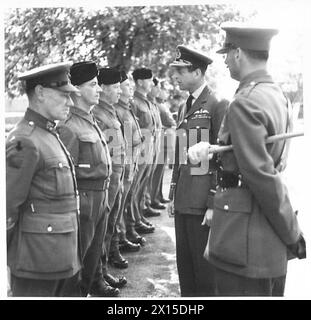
<point>227,179</point>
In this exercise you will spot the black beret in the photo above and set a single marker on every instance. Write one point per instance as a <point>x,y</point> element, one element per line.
<point>123,76</point>
<point>54,75</point>
<point>142,73</point>
<point>252,38</point>
<point>82,72</point>
<point>108,76</point>
<point>186,57</point>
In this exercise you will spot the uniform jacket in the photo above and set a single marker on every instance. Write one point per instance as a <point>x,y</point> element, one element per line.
<point>42,208</point>
<point>253,224</point>
<point>192,191</point>
<point>89,149</point>
<point>147,122</point>
<point>132,131</point>
<point>113,130</point>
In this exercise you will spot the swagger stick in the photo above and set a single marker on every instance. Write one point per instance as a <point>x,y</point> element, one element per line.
<point>277,137</point>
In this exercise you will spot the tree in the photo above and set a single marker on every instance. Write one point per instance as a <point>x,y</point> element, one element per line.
<point>126,36</point>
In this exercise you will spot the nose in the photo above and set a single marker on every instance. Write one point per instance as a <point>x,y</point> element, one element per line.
<point>99,89</point>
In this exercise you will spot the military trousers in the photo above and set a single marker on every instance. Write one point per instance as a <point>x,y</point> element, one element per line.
<point>93,225</point>
<point>230,284</point>
<point>114,201</point>
<point>196,275</point>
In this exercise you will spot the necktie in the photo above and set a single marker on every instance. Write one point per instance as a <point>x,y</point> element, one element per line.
<point>189,102</point>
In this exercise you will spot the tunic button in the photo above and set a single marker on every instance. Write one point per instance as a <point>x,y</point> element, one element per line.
<point>184,134</point>
<point>185,121</point>
<point>31,123</point>
<point>49,228</point>
<point>60,165</point>
<point>226,207</point>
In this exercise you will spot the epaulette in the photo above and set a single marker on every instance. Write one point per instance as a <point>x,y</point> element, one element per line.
<point>25,128</point>
<point>247,90</point>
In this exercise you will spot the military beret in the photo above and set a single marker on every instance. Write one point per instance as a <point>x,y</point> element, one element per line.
<point>54,75</point>
<point>251,38</point>
<point>142,73</point>
<point>108,76</point>
<point>123,76</point>
<point>82,72</point>
<point>186,57</point>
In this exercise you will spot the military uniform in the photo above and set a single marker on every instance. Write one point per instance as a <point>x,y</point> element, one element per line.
<point>112,129</point>
<point>42,209</point>
<point>83,138</point>
<point>253,222</point>
<point>192,187</point>
<point>142,110</point>
<point>42,197</point>
<point>134,140</point>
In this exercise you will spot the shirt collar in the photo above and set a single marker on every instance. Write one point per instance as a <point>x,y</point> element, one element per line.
<point>103,105</point>
<point>122,104</point>
<point>198,92</point>
<point>36,118</point>
<point>256,76</point>
<point>88,116</point>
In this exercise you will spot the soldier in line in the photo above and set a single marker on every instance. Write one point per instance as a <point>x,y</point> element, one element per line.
<point>142,110</point>
<point>83,138</point>
<point>42,197</point>
<point>112,129</point>
<point>254,229</point>
<point>129,239</point>
<point>192,187</point>
<point>167,144</point>
<point>154,179</point>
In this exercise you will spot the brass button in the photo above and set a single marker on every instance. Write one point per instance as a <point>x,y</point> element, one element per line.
<point>60,165</point>
<point>49,228</point>
<point>226,207</point>
<point>31,123</point>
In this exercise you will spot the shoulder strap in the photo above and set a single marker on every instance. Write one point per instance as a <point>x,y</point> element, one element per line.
<point>280,164</point>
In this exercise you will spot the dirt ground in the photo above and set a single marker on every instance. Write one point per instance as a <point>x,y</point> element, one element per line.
<point>152,271</point>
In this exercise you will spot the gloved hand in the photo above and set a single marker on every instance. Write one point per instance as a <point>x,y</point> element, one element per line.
<point>207,220</point>
<point>200,151</point>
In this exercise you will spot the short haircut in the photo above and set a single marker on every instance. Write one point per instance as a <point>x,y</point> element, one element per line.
<point>261,55</point>
<point>195,66</point>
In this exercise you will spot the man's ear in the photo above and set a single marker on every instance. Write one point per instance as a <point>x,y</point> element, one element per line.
<point>39,91</point>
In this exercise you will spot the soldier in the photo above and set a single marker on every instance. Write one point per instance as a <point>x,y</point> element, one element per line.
<point>253,226</point>
<point>112,129</point>
<point>142,109</point>
<point>193,187</point>
<point>130,240</point>
<point>42,197</point>
<point>82,136</point>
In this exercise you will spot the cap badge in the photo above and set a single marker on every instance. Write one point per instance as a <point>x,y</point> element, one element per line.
<point>178,54</point>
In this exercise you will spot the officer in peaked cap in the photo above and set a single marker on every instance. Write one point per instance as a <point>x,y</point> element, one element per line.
<point>42,196</point>
<point>192,187</point>
<point>86,143</point>
<point>254,227</point>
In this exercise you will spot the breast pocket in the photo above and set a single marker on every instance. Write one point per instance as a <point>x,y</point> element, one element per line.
<point>90,149</point>
<point>57,179</point>
<point>229,228</point>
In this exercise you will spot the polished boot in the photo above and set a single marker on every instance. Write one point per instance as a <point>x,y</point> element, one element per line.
<point>102,289</point>
<point>142,228</point>
<point>149,212</point>
<point>114,282</point>
<point>116,260</point>
<point>134,237</point>
<point>128,246</point>
<point>157,205</point>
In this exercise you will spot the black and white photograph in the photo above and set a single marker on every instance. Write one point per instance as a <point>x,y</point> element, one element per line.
<point>154,151</point>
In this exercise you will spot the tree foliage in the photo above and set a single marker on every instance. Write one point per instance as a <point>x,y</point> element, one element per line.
<point>127,36</point>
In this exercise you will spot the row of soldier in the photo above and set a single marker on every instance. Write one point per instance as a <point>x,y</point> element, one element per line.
<point>112,139</point>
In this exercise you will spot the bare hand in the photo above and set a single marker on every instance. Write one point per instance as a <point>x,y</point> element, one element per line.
<point>199,152</point>
<point>207,220</point>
